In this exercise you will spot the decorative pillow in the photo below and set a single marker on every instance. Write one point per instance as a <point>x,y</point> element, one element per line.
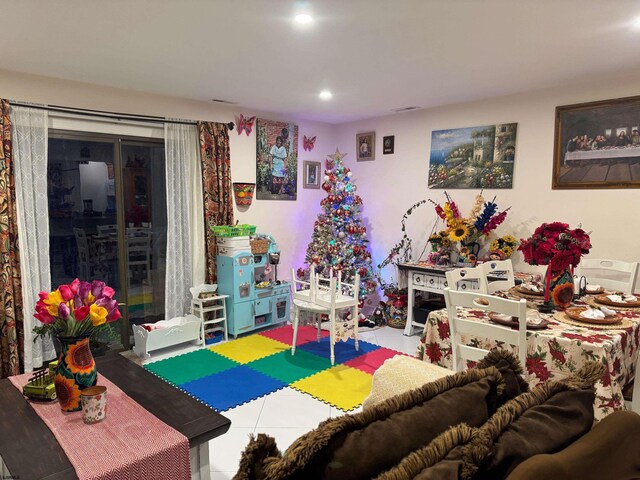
<point>545,420</point>
<point>365,444</point>
<point>400,374</point>
<point>442,459</point>
<point>610,450</point>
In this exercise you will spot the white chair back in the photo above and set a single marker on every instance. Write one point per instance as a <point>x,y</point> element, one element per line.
<point>610,274</point>
<point>467,278</point>
<point>488,303</point>
<point>502,268</point>
<point>301,289</point>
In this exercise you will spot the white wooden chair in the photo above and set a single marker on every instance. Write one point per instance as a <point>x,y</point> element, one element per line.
<point>139,256</point>
<point>467,278</point>
<point>325,296</point>
<point>502,267</point>
<point>84,256</point>
<point>610,274</point>
<point>479,301</point>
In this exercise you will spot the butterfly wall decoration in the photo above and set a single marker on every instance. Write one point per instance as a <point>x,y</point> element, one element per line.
<point>245,124</point>
<point>308,143</point>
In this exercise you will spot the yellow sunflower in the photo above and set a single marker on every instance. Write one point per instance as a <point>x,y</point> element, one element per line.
<point>563,294</point>
<point>68,393</point>
<point>459,233</point>
<point>508,251</point>
<point>495,245</point>
<point>79,358</point>
<point>464,251</point>
<point>509,239</point>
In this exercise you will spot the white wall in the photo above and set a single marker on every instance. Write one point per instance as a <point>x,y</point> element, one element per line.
<point>289,222</point>
<point>391,183</point>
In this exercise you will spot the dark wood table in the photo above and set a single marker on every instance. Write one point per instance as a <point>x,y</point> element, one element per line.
<point>30,451</point>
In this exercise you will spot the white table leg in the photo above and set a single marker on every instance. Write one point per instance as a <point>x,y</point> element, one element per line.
<point>408,329</point>
<point>199,457</point>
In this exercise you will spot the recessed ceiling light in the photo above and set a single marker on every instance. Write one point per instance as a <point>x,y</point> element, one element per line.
<point>636,23</point>
<point>325,95</point>
<point>303,18</point>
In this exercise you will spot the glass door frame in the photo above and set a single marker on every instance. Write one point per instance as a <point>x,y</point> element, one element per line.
<point>117,141</point>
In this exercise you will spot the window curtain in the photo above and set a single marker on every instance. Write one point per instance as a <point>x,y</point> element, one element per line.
<point>216,183</point>
<point>11,326</point>
<point>181,151</point>
<point>30,128</point>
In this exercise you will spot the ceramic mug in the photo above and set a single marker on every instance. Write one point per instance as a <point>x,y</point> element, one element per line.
<point>94,404</point>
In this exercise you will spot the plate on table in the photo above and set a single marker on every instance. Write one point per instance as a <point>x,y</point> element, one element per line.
<point>574,314</point>
<point>590,290</point>
<point>534,320</point>
<point>526,291</point>
<point>604,300</point>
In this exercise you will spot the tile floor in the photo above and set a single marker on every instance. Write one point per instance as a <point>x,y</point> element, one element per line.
<point>285,414</point>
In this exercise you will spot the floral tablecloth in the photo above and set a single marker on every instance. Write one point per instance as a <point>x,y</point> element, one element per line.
<point>552,353</point>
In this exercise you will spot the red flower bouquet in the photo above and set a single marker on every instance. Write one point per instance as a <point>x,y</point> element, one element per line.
<point>556,245</point>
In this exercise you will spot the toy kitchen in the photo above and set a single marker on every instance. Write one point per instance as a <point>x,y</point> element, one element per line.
<point>248,273</point>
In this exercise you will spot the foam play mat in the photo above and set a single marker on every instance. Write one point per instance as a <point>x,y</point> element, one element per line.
<point>236,372</point>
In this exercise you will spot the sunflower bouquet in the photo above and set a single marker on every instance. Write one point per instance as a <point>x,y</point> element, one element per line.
<point>503,247</point>
<point>76,309</point>
<point>483,218</point>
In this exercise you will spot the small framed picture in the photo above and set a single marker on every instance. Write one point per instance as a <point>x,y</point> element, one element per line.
<point>366,146</point>
<point>387,144</point>
<point>311,177</point>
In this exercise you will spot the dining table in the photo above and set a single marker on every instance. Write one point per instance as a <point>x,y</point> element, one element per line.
<point>555,351</point>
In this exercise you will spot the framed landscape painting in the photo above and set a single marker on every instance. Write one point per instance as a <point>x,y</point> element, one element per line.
<point>474,157</point>
<point>597,145</point>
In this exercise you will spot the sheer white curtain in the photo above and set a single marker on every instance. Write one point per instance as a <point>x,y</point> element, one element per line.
<point>30,157</point>
<point>181,151</point>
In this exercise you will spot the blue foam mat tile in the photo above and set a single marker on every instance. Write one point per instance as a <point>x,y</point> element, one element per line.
<point>344,351</point>
<point>232,387</point>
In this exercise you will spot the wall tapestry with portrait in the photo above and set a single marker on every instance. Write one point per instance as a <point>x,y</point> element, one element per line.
<point>276,160</point>
<point>475,157</point>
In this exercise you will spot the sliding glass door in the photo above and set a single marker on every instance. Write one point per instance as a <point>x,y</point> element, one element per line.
<point>107,220</point>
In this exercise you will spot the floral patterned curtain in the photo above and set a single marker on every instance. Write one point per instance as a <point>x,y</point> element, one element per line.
<point>216,186</point>
<point>11,334</point>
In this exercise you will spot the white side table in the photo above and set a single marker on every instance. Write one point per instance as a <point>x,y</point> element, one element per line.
<point>213,313</point>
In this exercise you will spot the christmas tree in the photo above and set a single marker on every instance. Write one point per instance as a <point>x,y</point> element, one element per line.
<point>339,241</point>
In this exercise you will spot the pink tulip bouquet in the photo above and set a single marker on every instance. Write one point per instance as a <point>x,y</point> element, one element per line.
<point>76,309</point>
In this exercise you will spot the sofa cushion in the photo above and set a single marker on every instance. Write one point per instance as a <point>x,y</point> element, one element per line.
<point>442,459</point>
<point>365,444</point>
<point>610,450</point>
<point>545,420</point>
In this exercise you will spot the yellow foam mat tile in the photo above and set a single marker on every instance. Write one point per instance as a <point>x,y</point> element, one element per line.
<point>340,386</point>
<point>248,349</point>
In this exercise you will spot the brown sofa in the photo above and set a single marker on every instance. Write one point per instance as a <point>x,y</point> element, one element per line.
<point>481,424</point>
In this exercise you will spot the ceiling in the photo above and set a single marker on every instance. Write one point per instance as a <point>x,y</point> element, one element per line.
<point>374,55</point>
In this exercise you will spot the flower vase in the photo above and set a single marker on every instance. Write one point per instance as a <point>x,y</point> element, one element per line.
<point>558,288</point>
<point>468,253</point>
<point>76,371</point>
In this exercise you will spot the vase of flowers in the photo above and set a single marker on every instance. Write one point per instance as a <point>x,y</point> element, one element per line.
<point>72,313</point>
<point>503,247</point>
<point>466,234</point>
<point>560,248</point>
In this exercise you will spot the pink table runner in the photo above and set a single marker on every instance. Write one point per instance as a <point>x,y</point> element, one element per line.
<point>130,443</point>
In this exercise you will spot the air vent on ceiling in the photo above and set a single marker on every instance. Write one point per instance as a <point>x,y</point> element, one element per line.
<point>405,109</point>
<point>227,102</point>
